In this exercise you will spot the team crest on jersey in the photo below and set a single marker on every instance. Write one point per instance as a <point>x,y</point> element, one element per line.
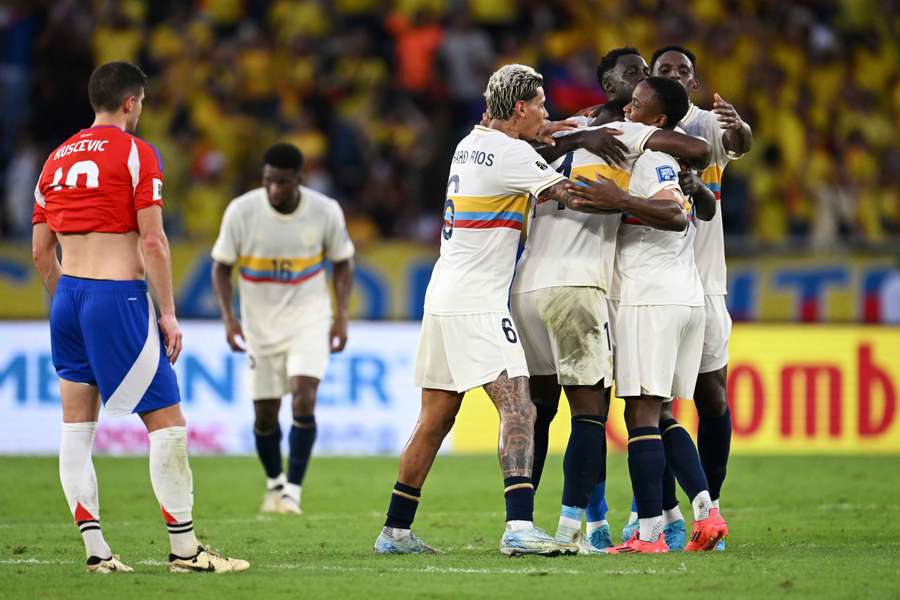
<point>666,173</point>
<point>449,219</point>
<point>541,165</point>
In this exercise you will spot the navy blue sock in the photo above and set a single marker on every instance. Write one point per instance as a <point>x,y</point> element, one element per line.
<point>681,455</point>
<point>646,463</point>
<point>302,438</point>
<point>402,509</point>
<point>268,447</point>
<point>582,461</point>
<point>545,416</point>
<point>597,508</point>
<point>519,493</point>
<point>670,498</point>
<point>714,444</point>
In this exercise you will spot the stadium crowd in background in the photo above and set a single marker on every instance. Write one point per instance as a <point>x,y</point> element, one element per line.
<point>376,93</point>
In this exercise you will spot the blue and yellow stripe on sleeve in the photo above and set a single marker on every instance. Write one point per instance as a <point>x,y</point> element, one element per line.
<point>290,271</point>
<point>489,212</point>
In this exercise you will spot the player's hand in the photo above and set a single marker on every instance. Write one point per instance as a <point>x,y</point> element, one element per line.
<point>604,143</point>
<point>600,195</point>
<point>171,333</point>
<point>728,116</point>
<point>337,337</point>
<point>234,335</point>
<point>545,133</point>
<point>689,181</point>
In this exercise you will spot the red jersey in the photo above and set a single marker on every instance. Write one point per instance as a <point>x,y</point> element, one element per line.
<point>97,180</point>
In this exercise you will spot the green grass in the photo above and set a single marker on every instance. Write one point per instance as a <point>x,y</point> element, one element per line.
<point>800,527</point>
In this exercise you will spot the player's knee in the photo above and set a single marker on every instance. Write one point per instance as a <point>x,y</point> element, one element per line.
<point>265,424</point>
<point>711,398</point>
<point>304,404</point>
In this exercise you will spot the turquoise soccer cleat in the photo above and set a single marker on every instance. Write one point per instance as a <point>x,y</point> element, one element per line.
<point>600,539</point>
<point>720,547</point>
<point>386,544</point>
<point>534,541</point>
<point>676,536</point>
<point>629,530</point>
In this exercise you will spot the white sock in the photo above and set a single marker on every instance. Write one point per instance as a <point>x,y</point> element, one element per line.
<point>672,515</point>
<point>701,503</point>
<point>594,525</point>
<point>274,484</point>
<point>650,529</point>
<point>79,483</point>
<point>292,491</point>
<point>716,504</point>
<point>632,517</point>
<point>170,475</point>
<point>519,525</point>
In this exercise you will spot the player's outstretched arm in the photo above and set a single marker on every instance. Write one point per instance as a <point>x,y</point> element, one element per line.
<point>342,283</point>
<point>43,252</point>
<point>221,282</point>
<point>703,197</point>
<point>561,192</point>
<point>601,141</point>
<point>155,249</point>
<point>693,150</point>
<point>738,137</point>
<point>661,211</point>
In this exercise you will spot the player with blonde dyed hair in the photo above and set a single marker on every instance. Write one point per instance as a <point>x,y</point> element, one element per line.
<point>468,337</point>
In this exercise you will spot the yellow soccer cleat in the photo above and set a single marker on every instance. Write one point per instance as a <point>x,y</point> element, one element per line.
<point>206,561</point>
<point>95,564</point>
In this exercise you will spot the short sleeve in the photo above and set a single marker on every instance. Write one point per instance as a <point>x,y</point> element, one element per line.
<point>39,213</point>
<point>145,166</point>
<point>653,172</point>
<point>523,170</point>
<point>634,135</point>
<point>338,245</point>
<point>714,133</point>
<point>228,245</point>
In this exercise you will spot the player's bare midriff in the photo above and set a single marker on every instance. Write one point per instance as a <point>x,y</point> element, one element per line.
<point>102,255</point>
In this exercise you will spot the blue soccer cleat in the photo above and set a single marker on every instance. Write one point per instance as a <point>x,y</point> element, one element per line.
<point>410,544</point>
<point>600,539</point>
<point>720,547</point>
<point>676,536</point>
<point>532,540</point>
<point>629,530</point>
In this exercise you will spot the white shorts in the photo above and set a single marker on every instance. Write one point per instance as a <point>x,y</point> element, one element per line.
<point>461,352</point>
<point>715,337</point>
<point>658,350</point>
<point>307,356</point>
<point>566,332</point>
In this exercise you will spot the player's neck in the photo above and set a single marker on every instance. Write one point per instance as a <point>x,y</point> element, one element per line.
<point>106,119</point>
<point>288,208</point>
<point>507,127</point>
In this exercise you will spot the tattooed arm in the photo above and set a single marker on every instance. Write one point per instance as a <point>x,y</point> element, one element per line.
<point>517,415</point>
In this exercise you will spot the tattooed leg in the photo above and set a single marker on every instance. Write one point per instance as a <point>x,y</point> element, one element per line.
<point>517,415</point>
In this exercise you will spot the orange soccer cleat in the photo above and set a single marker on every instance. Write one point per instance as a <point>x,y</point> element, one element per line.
<point>638,546</point>
<point>706,533</point>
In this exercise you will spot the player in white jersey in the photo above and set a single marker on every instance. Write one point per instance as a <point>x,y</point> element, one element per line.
<point>659,329</point>
<point>468,336</point>
<point>730,137</point>
<point>559,305</point>
<point>279,237</point>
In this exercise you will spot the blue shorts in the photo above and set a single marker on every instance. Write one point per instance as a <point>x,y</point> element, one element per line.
<point>104,333</point>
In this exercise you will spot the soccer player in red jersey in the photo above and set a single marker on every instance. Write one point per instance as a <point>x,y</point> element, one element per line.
<point>99,197</point>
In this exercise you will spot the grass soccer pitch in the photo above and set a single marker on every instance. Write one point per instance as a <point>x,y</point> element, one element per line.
<point>800,527</point>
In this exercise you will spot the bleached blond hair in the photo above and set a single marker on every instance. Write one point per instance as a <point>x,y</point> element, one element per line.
<point>508,85</point>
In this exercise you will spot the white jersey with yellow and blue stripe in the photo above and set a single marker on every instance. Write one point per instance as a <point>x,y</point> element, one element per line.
<point>280,260</point>
<point>492,177</point>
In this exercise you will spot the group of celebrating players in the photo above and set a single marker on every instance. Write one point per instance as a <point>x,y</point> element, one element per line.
<point>606,290</point>
<point>623,259</point>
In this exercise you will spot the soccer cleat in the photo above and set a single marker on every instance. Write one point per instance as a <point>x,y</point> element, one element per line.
<point>95,564</point>
<point>707,532</point>
<point>629,530</point>
<point>600,539</point>
<point>289,505</point>
<point>720,547</point>
<point>271,501</point>
<point>637,546</point>
<point>675,535</point>
<point>410,544</point>
<point>534,541</point>
<point>206,561</point>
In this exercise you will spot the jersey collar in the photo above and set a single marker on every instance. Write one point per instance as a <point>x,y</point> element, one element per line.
<point>691,115</point>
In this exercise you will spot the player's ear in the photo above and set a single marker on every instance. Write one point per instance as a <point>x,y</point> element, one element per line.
<point>128,104</point>
<point>661,120</point>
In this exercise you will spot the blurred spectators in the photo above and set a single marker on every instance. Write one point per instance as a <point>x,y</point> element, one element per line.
<point>376,94</point>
